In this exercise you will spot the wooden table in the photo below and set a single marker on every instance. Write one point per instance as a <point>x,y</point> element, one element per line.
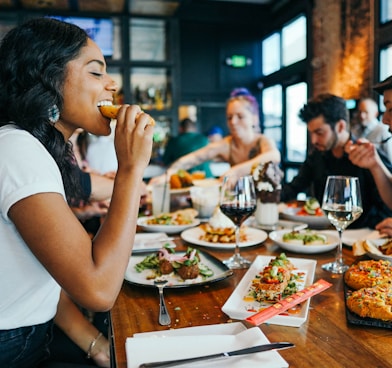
<point>324,340</point>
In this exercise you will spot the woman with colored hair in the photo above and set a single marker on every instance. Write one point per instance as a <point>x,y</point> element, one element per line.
<point>243,148</point>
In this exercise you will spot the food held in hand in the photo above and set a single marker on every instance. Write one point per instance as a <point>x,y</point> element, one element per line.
<point>311,208</point>
<point>274,282</point>
<point>111,111</point>
<point>374,302</point>
<point>368,273</point>
<point>166,262</point>
<point>307,237</point>
<point>180,217</point>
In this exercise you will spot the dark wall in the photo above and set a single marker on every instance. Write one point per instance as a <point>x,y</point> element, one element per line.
<point>205,79</point>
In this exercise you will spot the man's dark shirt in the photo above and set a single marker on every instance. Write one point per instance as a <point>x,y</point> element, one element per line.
<point>312,177</point>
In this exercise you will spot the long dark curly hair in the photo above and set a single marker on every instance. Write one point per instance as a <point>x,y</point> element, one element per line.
<point>33,59</point>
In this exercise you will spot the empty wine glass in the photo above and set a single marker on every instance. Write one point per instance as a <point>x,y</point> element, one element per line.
<point>343,205</point>
<point>237,202</point>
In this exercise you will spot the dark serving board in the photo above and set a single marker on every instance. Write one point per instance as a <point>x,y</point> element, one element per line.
<point>354,319</point>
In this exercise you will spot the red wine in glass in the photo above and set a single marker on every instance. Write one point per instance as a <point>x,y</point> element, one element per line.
<point>237,202</point>
<point>238,213</point>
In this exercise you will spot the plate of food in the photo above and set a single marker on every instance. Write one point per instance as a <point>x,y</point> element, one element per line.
<point>309,212</point>
<point>169,223</point>
<point>305,241</point>
<point>257,290</point>
<point>224,238</point>
<point>180,269</point>
<point>379,248</point>
<point>367,291</point>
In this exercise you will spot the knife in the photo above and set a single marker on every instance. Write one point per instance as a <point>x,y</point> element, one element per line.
<point>254,349</point>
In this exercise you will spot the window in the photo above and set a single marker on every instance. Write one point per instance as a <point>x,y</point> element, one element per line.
<point>272,114</point>
<point>385,11</point>
<point>385,62</point>
<point>296,130</point>
<point>284,47</point>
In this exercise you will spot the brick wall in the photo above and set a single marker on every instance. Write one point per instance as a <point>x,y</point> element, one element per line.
<point>343,47</point>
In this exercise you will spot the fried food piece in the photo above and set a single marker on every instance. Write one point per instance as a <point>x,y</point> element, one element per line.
<point>111,111</point>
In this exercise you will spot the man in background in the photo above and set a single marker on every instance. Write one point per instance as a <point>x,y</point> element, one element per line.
<point>327,120</point>
<point>188,140</point>
<point>368,126</point>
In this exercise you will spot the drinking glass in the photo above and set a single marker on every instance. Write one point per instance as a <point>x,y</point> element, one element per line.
<point>342,205</point>
<point>237,202</point>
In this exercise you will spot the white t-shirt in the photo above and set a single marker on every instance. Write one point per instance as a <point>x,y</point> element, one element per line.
<point>28,293</point>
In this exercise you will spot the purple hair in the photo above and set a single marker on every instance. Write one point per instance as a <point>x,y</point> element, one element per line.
<point>244,95</point>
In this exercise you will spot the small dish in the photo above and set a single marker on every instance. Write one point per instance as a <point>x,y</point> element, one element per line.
<point>168,229</point>
<point>376,256</point>
<point>315,222</point>
<point>332,242</point>
<point>254,236</point>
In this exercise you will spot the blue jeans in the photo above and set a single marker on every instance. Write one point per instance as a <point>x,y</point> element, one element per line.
<point>25,347</point>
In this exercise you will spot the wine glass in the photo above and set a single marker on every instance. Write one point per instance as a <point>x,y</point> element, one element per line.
<point>237,202</point>
<point>343,205</point>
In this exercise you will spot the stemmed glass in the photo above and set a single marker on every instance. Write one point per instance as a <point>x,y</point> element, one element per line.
<point>343,205</point>
<point>237,202</point>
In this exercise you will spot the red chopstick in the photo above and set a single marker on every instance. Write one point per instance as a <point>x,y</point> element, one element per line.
<point>289,302</point>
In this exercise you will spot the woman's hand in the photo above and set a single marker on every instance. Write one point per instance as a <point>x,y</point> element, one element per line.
<point>101,353</point>
<point>133,138</point>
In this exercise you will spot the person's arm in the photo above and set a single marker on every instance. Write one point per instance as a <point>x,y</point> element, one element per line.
<point>84,334</point>
<point>91,271</point>
<point>364,154</point>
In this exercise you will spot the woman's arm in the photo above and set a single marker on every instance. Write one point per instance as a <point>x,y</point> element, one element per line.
<point>74,324</point>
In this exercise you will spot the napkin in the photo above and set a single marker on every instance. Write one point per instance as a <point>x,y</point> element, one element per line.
<point>150,241</point>
<point>198,341</point>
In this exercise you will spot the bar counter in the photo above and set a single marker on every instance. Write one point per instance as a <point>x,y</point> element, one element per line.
<point>324,340</point>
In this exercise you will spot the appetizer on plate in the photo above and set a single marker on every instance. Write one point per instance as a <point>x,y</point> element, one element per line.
<point>166,262</point>
<point>306,237</point>
<point>371,281</point>
<point>220,229</point>
<point>180,217</point>
<point>274,282</point>
<point>311,208</point>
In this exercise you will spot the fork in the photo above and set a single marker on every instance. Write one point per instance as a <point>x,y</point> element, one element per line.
<point>164,317</point>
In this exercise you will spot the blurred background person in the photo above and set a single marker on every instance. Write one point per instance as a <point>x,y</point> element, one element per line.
<point>242,149</point>
<point>368,126</point>
<point>215,134</point>
<point>188,140</point>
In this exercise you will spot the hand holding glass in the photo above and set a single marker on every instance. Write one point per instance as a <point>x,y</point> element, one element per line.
<point>342,205</point>
<point>237,202</point>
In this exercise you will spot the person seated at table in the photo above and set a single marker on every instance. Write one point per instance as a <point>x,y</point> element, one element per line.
<point>242,149</point>
<point>44,248</point>
<point>327,120</point>
<point>188,140</point>
<point>365,154</point>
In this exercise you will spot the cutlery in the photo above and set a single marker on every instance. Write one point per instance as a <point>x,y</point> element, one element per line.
<point>164,317</point>
<point>254,349</point>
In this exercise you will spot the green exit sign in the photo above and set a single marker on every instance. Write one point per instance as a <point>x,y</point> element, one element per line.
<point>238,61</point>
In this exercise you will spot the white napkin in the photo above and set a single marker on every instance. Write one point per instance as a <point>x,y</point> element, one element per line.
<point>169,346</point>
<point>150,241</point>
<point>350,236</point>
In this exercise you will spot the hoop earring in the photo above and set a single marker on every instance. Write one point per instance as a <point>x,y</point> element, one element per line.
<point>54,114</point>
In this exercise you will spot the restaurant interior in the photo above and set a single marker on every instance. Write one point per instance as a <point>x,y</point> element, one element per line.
<point>182,58</point>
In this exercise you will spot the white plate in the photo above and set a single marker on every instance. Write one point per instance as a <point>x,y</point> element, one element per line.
<point>202,340</point>
<point>147,242</point>
<point>378,242</point>
<point>220,270</point>
<point>350,236</point>
<point>236,307</point>
<point>254,236</point>
<point>332,242</point>
<point>317,222</point>
<point>168,229</point>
